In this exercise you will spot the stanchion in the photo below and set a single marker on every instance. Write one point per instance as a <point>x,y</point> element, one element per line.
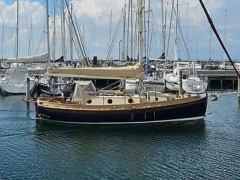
<point>180,84</point>
<point>238,88</point>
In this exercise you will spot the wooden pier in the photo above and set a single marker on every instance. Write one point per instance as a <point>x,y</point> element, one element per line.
<point>220,79</point>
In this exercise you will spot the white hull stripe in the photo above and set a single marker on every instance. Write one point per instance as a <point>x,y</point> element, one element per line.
<point>122,123</point>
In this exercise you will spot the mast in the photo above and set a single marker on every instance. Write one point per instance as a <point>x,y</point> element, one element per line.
<point>47,23</point>
<point>163,29</point>
<point>197,50</point>
<point>144,30</point>
<point>210,44</point>
<point>225,33</point>
<point>30,39</point>
<point>131,14</point>
<point>128,26</point>
<point>176,37</point>
<point>54,30</point>
<point>79,38</point>
<point>63,28</point>
<point>148,31</point>
<point>17,30</point>
<point>110,30</point>
<point>187,20</point>
<point>71,33</point>
<point>2,38</point>
<point>217,35</point>
<point>124,32</point>
<point>140,29</point>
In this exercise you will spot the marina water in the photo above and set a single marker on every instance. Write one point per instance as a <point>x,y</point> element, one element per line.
<point>207,149</point>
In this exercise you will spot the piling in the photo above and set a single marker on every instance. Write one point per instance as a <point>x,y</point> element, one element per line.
<point>53,85</point>
<point>238,88</point>
<point>180,84</point>
<point>28,89</point>
<point>95,60</point>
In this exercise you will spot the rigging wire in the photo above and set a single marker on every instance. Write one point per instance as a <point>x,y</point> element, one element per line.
<point>114,38</point>
<point>217,35</point>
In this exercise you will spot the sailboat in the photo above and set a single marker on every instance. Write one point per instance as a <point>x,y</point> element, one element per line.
<point>88,106</point>
<point>226,65</point>
<point>153,79</point>
<point>15,78</point>
<point>191,82</point>
<point>237,65</point>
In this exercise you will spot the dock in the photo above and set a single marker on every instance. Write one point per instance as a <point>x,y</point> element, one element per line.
<point>220,79</point>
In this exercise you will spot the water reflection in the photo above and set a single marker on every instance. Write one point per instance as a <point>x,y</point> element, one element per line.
<point>28,111</point>
<point>179,127</point>
<point>108,149</point>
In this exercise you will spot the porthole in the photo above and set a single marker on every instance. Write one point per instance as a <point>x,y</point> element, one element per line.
<point>89,101</point>
<point>130,101</point>
<point>156,99</point>
<point>110,101</point>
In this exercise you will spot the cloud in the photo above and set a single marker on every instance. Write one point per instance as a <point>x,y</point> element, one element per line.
<point>93,19</point>
<point>97,12</point>
<point>30,23</point>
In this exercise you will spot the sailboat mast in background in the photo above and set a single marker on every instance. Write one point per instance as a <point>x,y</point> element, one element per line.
<point>17,30</point>
<point>47,25</point>
<point>140,29</point>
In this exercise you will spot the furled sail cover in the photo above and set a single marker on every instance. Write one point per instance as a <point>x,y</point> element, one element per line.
<point>126,72</point>
<point>84,90</point>
<point>29,59</point>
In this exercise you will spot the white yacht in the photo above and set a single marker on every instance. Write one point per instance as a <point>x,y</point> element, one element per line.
<point>237,65</point>
<point>15,80</point>
<point>191,82</point>
<point>226,65</point>
<point>153,80</point>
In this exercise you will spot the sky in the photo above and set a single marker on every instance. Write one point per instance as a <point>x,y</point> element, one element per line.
<point>97,22</point>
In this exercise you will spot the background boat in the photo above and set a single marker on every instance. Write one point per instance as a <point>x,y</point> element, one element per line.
<point>15,80</point>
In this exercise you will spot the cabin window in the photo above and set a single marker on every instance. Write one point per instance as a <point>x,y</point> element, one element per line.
<point>156,99</point>
<point>110,101</point>
<point>89,101</point>
<point>130,100</point>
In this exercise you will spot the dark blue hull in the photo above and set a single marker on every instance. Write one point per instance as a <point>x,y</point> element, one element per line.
<point>181,112</point>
